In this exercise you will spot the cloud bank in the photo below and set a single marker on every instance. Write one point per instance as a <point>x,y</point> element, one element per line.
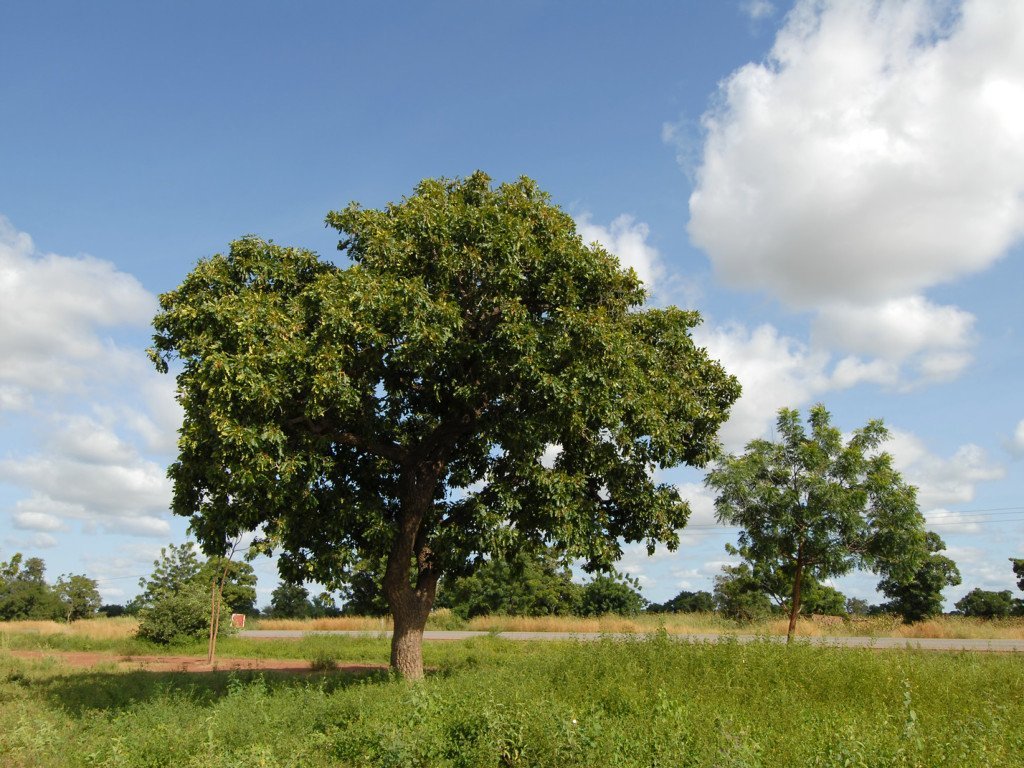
<point>877,152</point>
<point>97,423</point>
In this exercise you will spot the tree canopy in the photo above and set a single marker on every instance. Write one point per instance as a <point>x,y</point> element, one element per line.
<point>1018,570</point>
<point>24,593</point>
<point>179,568</point>
<point>399,405</point>
<point>816,504</point>
<point>988,604</point>
<point>920,597</point>
<point>685,602</point>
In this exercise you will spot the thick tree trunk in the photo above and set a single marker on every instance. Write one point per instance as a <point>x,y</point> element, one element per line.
<point>410,603</point>
<point>794,607</point>
<point>407,643</point>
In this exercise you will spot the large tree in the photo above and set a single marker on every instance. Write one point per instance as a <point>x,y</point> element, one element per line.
<point>398,405</point>
<point>920,597</point>
<point>812,503</point>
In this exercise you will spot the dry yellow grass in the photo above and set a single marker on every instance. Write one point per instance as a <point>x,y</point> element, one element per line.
<point>952,627</point>
<point>355,623</point>
<point>102,628</point>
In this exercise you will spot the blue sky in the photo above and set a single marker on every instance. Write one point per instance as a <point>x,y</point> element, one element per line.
<point>837,187</point>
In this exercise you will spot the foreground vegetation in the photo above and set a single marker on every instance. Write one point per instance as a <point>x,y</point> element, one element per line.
<point>490,702</point>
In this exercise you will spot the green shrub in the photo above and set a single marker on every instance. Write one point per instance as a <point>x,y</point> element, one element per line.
<point>181,615</point>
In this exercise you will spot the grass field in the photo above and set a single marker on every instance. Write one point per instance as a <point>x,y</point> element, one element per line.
<point>488,702</point>
<point>953,627</point>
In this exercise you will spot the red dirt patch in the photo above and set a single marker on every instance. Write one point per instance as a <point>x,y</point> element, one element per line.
<point>87,659</point>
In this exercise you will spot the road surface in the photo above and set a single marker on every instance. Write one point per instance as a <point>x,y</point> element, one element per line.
<point>922,643</point>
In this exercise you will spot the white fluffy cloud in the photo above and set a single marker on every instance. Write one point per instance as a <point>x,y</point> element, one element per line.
<point>88,472</point>
<point>1015,444</point>
<point>95,422</point>
<point>54,309</point>
<point>757,9</point>
<point>934,339</point>
<point>626,238</point>
<point>941,481</point>
<point>878,151</point>
<point>774,370</point>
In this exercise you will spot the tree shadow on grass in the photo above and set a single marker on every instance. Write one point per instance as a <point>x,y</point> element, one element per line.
<point>80,692</point>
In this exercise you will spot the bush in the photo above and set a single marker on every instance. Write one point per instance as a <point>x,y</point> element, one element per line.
<point>179,616</point>
<point>611,594</point>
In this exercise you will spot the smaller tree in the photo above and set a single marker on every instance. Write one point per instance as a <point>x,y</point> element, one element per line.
<point>685,602</point>
<point>985,604</point>
<point>362,595</point>
<point>177,566</point>
<point>740,596</point>
<point>920,597</point>
<point>814,504</point>
<point>179,584</point>
<point>822,599</point>
<point>179,616</point>
<point>323,606</point>
<point>856,606</point>
<point>290,601</point>
<point>24,593</point>
<point>615,593</point>
<point>79,596</point>
<point>1018,571</point>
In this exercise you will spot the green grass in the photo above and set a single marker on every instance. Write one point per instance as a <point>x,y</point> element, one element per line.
<point>490,702</point>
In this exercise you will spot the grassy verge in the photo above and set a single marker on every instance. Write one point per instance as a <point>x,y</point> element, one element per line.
<point>117,635</point>
<point>953,627</point>
<point>497,703</point>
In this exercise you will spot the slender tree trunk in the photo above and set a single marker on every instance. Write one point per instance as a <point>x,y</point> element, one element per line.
<point>794,607</point>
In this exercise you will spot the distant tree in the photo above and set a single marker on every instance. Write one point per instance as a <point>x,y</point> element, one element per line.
<point>78,595</point>
<point>1018,571</point>
<point>614,593</point>
<point>179,566</point>
<point>290,601</point>
<point>323,605</point>
<point>685,602</point>
<point>177,597</point>
<point>740,595</point>
<point>856,606</point>
<point>986,604</point>
<point>180,615</point>
<point>112,610</point>
<point>920,597</point>
<point>530,584</point>
<point>822,599</point>
<point>239,593</point>
<point>24,593</point>
<point>816,505</point>
<point>363,594</point>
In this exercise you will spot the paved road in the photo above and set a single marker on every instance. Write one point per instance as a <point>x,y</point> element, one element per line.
<point>931,644</point>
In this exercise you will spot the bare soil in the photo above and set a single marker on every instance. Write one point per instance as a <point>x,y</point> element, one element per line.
<point>88,659</point>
